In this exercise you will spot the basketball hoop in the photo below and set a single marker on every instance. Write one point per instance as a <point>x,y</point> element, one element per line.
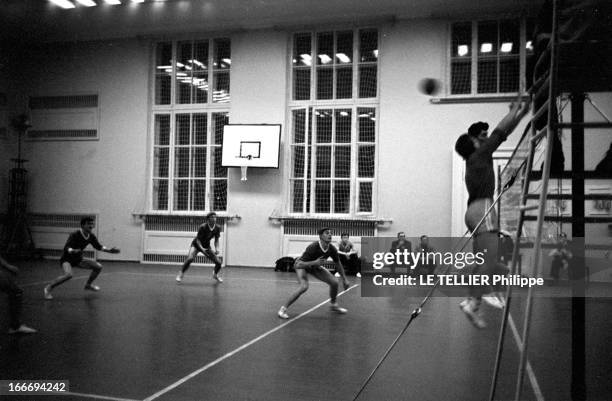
<point>250,145</point>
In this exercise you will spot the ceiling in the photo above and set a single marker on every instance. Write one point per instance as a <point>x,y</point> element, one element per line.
<point>36,21</point>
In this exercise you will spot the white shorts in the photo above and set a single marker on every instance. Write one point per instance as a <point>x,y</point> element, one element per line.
<point>474,214</point>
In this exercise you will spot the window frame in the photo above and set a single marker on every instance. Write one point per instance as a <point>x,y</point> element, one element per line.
<point>173,109</point>
<point>309,163</point>
<point>172,146</point>
<point>474,58</point>
<point>354,103</point>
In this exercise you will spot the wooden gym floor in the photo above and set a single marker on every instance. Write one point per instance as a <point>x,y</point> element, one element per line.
<point>145,337</point>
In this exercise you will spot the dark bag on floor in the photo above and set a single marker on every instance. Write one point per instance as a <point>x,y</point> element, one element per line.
<point>285,264</point>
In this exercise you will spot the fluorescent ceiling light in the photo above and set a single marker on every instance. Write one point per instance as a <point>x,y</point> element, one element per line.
<point>87,3</point>
<point>196,62</point>
<point>325,59</point>
<point>63,3</point>
<point>486,48</point>
<point>306,59</point>
<point>506,47</point>
<point>462,50</point>
<point>529,45</point>
<point>113,2</point>
<point>344,113</point>
<point>227,61</point>
<point>343,58</point>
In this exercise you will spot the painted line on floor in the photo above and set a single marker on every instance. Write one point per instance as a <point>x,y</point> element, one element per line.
<point>537,391</point>
<point>228,278</point>
<point>48,281</point>
<point>97,396</point>
<point>237,350</point>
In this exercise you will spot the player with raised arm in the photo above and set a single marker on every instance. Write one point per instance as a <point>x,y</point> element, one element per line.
<point>72,256</point>
<point>476,148</point>
<point>201,243</point>
<point>312,261</point>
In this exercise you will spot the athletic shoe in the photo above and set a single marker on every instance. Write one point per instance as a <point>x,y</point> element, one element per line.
<point>337,274</point>
<point>358,275</point>
<point>216,277</point>
<point>179,277</point>
<point>23,329</point>
<point>47,292</point>
<point>91,287</point>
<point>336,308</point>
<point>282,313</point>
<point>470,308</point>
<point>469,299</point>
<point>494,300</point>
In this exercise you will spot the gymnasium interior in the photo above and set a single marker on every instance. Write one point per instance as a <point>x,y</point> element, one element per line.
<point>284,117</point>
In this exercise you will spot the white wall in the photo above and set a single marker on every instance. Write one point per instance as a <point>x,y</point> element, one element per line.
<point>110,176</point>
<point>107,176</point>
<point>416,137</point>
<point>258,87</point>
<point>414,162</point>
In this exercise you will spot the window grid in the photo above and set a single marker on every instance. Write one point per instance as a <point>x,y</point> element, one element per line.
<point>334,78</point>
<point>188,118</point>
<point>221,70</point>
<point>161,160</point>
<point>368,63</point>
<point>329,173</point>
<point>317,76</point>
<point>185,69</point>
<point>196,184</point>
<point>488,57</point>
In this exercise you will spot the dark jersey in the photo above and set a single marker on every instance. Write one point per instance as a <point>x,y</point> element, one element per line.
<point>479,174</point>
<point>314,252</point>
<point>77,240</point>
<point>205,234</point>
<point>342,247</point>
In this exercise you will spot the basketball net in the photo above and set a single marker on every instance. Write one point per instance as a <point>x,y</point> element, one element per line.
<point>243,170</point>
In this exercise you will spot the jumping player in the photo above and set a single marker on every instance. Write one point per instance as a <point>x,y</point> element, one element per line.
<point>312,261</point>
<point>477,148</point>
<point>15,298</point>
<point>73,256</point>
<point>201,243</point>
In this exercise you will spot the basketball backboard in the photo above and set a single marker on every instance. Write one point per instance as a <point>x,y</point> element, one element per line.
<point>251,145</point>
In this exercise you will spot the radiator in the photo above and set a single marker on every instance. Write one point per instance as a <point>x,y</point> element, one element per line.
<point>166,238</point>
<point>50,232</point>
